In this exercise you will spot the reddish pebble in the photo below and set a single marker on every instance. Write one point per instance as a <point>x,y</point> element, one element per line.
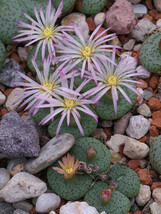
<point>8,91</point>
<point>154,103</point>
<point>91,24</point>
<point>157,16</point>
<point>150,89</point>
<point>147,16</point>
<point>133,164</point>
<point>153,131</point>
<point>143,139</point>
<point>156,114</point>
<point>138,212</point>
<point>153,82</point>
<point>157,123</point>
<point>155,185</point>
<point>15,57</point>
<point>108,133</point>
<point>153,12</point>
<point>144,177</point>
<point>3,112</point>
<point>149,4</point>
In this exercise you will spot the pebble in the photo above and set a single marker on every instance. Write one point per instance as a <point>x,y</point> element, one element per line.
<point>147,94</point>
<point>153,82</point>
<point>134,149</point>
<point>157,195</point>
<point>121,124</point>
<point>77,208</point>
<point>137,47</point>
<point>134,1</point>
<point>156,185</point>
<point>47,202</point>
<point>80,21</point>
<point>137,127</point>
<point>140,69</point>
<point>156,114</point>
<point>2,98</point>
<point>14,162</point>
<point>115,142</point>
<point>155,208</point>
<point>99,134</point>
<point>12,98</point>
<point>129,45</point>
<point>144,195</point>
<point>22,53</point>
<point>4,177</point>
<point>24,185</point>
<point>144,110</point>
<point>153,131</point>
<point>18,137</point>
<point>8,74</point>
<point>52,212</point>
<point>6,208</point>
<point>51,152</point>
<point>157,4</point>
<point>99,18</point>
<point>126,53</point>
<point>154,103</point>
<point>120,17</point>
<point>144,177</point>
<point>23,205</point>
<point>19,211</point>
<point>142,28</point>
<point>158,23</point>
<point>106,123</point>
<point>140,10</point>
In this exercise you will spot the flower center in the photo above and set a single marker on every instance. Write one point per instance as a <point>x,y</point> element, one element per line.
<point>48,32</point>
<point>70,103</point>
<point>49,86</point>
<point>87,52</point>
<point>69,170</point>
<point>112,81</point>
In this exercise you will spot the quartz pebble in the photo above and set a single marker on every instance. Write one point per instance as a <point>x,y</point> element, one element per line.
<point>4,177</point>
<point>137,127</point>
<point>99,18</point>
<point>22,53</point>
<point>23,205</point>
<point>77,208</point>
<point>142,28</point>
<point>2,98</point>
<point>129,45</point>
<point>24,185</point>
<point>52,212</point>
<point>157,195</point>
<point>47,202</point>
<point>144,195</point>
<point>140,10</point>
<point>115,142</point>
<point>155,208</point>
<point>144,110</point>
<point>140,69</point>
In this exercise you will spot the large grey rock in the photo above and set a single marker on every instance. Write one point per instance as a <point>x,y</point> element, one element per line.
<point>137,127</point>
<point>22,186</point>
<point>47,202</point>
<point>8,73</point>
<point>121,124</point>
<point>51,152</point>
<point>18,137</point>
<point>6,208</point>
<point>4,177</point>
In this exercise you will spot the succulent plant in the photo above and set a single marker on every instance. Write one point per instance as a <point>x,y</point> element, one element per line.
<point>90,6</point>
<point>150,53</point>
<point>155,151</point>
<point>2,54</point>
<point>40,115</point>
<point>92,151</point>
<point>68,4</point>
<point>100,197</point>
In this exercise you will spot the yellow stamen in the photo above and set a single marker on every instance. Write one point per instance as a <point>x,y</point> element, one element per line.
<point>48,32</point>
<point>112,81</point>
<point>49,85</point>
<point>69,171</point>
<point>87,52</point>
<point>70,103</point>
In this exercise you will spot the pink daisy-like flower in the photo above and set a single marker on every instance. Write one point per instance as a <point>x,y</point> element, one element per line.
<point>69,106</point>
<point>90,53</point>
<point>113,78</point>
<point>43,29</point>
<point>50,86</point>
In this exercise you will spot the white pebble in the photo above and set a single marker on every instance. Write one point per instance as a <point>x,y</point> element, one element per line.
<point>2,98</point>
<point>157,195</point>
<point>144,74</point>
<point>144,195</point>
<point>4,177</point>
<point>99,18</point>
<point>155,208</point>
<point>144,110</point>
<point>129,45</point>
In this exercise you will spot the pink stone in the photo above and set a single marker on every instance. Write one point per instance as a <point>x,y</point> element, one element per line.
<point>120,17</point>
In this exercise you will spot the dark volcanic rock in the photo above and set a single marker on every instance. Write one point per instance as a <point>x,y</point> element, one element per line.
<point>8,73</point>
<point>18,137</point>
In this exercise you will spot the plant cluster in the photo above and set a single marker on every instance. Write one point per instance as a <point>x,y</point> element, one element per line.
<point>71,57</point>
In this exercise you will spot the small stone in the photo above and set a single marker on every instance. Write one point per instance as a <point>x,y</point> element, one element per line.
<point>22,53</point>
<point>142,84</point>
<point>156,114</point>
<point>157,123</point>
<point>8,74</point>
<point>99,18</point>
<point>120,17</point>
<point>140,10</point>
<point>144,195</point>
<point>52,212</point>
<point>154,103</point>
<point>77,208</point>
<point>158,23</point>
<point>4,177</point>
<point>153,131</point>
<point>51,152</point>
<point>106,123</point>
<point>144,110</point>
<point>140,69</point>
<point>99,134</point>
<point>23,205</point>
<point>157,195</point>
<point>129,45</point>
<point>19,211</point>
<point>18,137</point>
<point>137,127</point>
<point>24,185</point>
<point>155,185</point>
<point>47,202</point>
<point>80,20</point>
<point>133,164</point>
<point>142,28</point>
<point>155,208</point>
<point>115,142</point>
<point>121,124</point>
<point>157,4</point>
<point>144,177</point>
<point>147,94</point>
<point>153,82</point>
<point>2,98</point>
<point>134,149</point>
<point>134,1</point>
<point>137,47</point>
<point>14,162</point>
<point>6,208</point>
<point>12,98</point>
